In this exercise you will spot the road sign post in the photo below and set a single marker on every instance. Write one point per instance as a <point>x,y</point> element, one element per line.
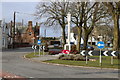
<point>34,47</point>
<point>112,57</point>
<point>100,58</point>
<point>34,50</point>
<point>39,50</point>
<point>86,60</point>
<point>100,45</point>
<point>111,60</point>
<point>43,52</point>
<point>39,42</point>
<point>43,49</point>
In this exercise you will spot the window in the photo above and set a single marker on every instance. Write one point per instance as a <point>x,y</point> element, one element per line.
<point>3,29</point>
<point>30,33</point>
<point>2,41</point>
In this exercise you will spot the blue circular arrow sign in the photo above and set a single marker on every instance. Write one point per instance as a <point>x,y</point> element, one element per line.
<point>100,45</point>
<point>39,42</point>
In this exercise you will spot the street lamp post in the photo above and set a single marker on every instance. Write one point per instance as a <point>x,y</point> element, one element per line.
<point>14,31</point>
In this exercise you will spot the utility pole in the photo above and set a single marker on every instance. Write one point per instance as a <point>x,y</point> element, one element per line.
<point>11,34</point>
<point>45,32</point>
<point>22,23</point>
<point>14,30</point>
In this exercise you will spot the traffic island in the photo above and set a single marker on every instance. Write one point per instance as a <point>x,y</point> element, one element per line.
<point>34,55</point>
<point>91,63</point>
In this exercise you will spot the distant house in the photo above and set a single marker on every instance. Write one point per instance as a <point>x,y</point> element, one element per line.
<point>103,32</point>
<point>73,39</point>
<point>5,33</point>
<point>92,41</point>
<point>28,35</point>
<point>74,35</point>
<point>0,34</point>
<point>25,35</point>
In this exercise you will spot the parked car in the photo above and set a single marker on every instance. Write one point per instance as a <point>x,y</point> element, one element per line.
<point>88,47</point>
<point>56,45</point>
<point>46,49</point>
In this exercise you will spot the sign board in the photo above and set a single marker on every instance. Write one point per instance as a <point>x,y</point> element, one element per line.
<point>39,42</point>
<point>100,45</point>
<point>97,53</point>
<point>34,47</point>
<point>65,51</point>
<point>42,47</point>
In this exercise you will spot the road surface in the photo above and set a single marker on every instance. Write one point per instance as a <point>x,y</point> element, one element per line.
<point>13,62</point>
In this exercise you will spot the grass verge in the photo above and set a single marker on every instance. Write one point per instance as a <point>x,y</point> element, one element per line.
<point>106,62</point>
<point>32,55</point>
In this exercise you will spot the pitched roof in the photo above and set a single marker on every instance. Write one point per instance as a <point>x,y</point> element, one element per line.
<point>23,30</point>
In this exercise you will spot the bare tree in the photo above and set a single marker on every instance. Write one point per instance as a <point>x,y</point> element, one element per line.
<point>114,9</point>
<point>84,16</point>
<point>57,12</point>
<point>77,11</point>
<point>92,18</point>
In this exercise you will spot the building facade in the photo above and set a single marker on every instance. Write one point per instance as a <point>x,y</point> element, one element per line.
<point>5,33</point>
<point>28,35</point>
<point>0,34</point>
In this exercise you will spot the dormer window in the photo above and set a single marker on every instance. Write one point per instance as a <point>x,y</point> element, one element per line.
<point>30,33</point>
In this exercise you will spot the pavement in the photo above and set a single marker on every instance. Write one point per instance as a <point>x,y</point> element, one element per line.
<point>45,57</point>
<point>8,75</point>
<point>14,63</point>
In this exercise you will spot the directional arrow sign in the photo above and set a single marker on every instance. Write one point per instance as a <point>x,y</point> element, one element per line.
<point>105,53</point>
<point>33,47</point>
<point>90,53</point>
<point>43,47</point>
<point>83,52</point>
<point>113,53</point>
<point>39,42</point>
<point>100,44</point>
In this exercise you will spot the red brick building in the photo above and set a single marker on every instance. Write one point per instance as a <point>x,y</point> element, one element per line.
<point>28,35</point>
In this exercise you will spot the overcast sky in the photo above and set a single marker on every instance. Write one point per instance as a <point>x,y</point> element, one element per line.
<point>8,9</point>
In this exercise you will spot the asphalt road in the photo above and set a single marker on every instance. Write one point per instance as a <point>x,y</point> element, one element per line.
<point>13,62</point>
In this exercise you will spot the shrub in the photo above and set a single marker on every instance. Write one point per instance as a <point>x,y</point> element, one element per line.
<point>70,57</point>
<point>61,56</point>
<point>54,52</point>
<point>64,58</point>
<point>73,47</point>
<point>116,57</point>
<point>74,52</point>
<point>77,57</point>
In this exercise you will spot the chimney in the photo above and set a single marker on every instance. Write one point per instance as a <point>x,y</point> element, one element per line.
<point>36,23</point>
<point>37,27</point>
<point>30,24</point>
